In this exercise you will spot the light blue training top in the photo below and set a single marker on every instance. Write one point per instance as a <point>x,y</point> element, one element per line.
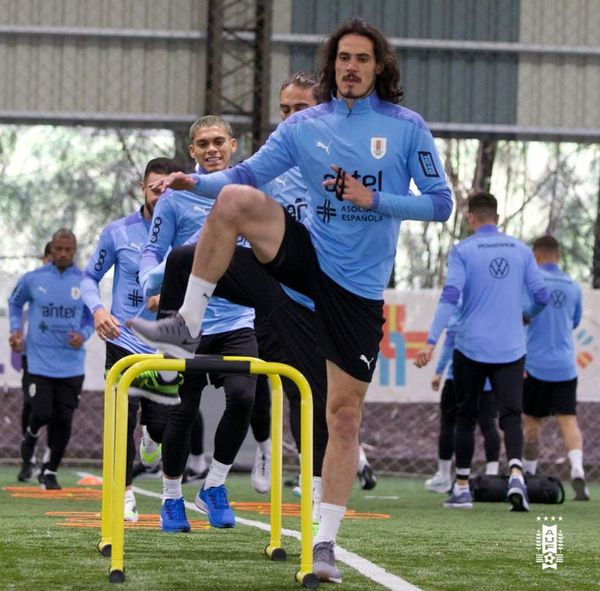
<point>55,310</point>
<point>120,244</point>
<point>382,145</point>
<point>490,270</point>
<point>550,347</point>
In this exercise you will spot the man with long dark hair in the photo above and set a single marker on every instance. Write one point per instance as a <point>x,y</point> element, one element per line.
<point>357,153</point>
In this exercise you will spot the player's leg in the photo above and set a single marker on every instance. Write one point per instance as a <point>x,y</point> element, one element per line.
<point>536,406</point>
<point>564,405</point>
<point>175,449</point>
<point>469,377</point>
<point>486,418</point>
<point>232,428</point>
<point>441,481</point>
<point>260,422</point>
<point>41,394</point>
<point>507,384</point>
<point>67,392</point>
<point>196,466</point>
<point>28,467</point>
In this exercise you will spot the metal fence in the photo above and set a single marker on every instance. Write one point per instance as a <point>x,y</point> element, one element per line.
<point>398,438</point>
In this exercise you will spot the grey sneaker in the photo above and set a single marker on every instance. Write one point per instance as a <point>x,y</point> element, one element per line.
<point>169,335</point>
<point>517,494</point>
<point>324,563</point>
<point>581,490</point>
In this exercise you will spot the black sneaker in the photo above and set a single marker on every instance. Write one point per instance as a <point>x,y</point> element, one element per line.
<point>48,480</point>
<point>367,478</point>
<point>26,472</point>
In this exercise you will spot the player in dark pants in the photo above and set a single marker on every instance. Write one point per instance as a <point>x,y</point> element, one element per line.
<point>27,469</point>
<point>59,325</point>
<point>491,270</point>
<point>229,436</point>
<point>292,326</point>
<point>119,246</point>
<point>487,414</point>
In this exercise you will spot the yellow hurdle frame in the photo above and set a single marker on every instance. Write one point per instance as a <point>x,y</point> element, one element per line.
<point>115,450</point>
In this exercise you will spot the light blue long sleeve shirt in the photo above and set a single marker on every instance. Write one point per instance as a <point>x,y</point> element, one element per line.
<point>120,244</point>
<point>55,310</point>
<point>382,145</point>
<point>550,347</point>
<point>490,270</point>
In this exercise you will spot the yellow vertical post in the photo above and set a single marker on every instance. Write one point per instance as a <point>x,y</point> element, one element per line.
<point>274,549</point>
<point>108,451</point>
<point>157,363</point>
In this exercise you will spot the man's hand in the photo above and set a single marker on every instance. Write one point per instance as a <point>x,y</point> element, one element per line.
<point>424,355</point>
<point>16,341</point>
<point>75,339</point>
<point>106,325</point>
<point>178,181</point>
<point>354,190</point>
<point>435,382</point>
<point>153,302</point>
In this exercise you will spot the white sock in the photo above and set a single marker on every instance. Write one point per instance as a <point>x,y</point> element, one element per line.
<point>196,463</point>
<point>265,447</point>
<point>492,468</point>
<point>530,466</point>
<point>172,488</point>
<point>445,468</point>
<point>45,457</point>
<point>317,492</point>
<point>362,458</point>
<point>217,474</point>
<point>329,523</point>
<point>129,495</point>
<point>196,300</point>
<point>576,460</point>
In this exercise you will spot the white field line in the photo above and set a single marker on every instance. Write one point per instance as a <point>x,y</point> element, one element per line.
<point>365,567</point>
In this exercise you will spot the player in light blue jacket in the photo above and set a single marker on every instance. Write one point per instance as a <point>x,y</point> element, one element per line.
<point>59,325</point>
<point>551,383</point>
<point>358,153</point>
<point>120,246</point>
<point>490,270</point>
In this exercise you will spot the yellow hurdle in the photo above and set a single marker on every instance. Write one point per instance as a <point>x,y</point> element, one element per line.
<point>115,450</point>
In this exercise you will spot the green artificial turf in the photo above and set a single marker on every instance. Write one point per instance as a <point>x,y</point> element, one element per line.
<point>429,546</point>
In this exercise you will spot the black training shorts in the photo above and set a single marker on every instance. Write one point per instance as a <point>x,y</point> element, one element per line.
<point>542,399</point>
<point>349,326</point>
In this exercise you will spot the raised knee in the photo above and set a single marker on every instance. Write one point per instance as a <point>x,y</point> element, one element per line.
<point>236,201</point>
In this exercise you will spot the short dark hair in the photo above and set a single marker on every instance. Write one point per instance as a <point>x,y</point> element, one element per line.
<point>302,80</point>
<point>387,84</point>
<point>47,249</point>
<point>210,121</point>
<point>547,243</point>
<point>63,233</point>
<point>162,166</point>
<point>482,205</point>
